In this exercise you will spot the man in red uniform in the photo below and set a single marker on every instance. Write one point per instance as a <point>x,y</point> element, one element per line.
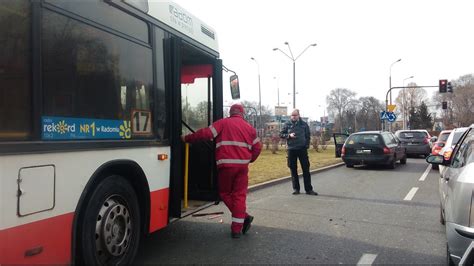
<point>237,145</point>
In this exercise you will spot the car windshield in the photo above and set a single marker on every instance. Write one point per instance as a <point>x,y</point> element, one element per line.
<point>364,139</point>
<point>412,135</point>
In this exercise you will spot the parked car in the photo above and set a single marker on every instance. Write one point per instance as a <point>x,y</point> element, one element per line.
<point>456,189</point>
<point>452,140</point>
<point>373,147</point>
<point>439,144</point>
<point>416,142</point>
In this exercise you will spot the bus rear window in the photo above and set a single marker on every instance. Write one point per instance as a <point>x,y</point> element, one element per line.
<point>15,92</point>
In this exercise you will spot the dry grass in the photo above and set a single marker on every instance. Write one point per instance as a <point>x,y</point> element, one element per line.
<point>272,166</point>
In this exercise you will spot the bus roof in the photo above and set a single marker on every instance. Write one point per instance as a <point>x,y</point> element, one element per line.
<point>181,20</point>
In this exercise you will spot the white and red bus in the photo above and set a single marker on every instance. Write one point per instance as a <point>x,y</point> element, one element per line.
<point>94,96</point>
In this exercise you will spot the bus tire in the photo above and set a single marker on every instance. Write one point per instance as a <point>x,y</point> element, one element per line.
<point>109,232</point>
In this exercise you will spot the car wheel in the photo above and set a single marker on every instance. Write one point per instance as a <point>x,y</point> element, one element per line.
<point>434,167</point>
<point>109,231</point>
<point>449,261</point>
<point>349,165</point>
<point>403,160</point>
<point>391,165</point>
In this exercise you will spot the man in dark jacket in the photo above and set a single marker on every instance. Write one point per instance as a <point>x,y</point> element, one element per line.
<point>237,145</point>
<point>297,134</point>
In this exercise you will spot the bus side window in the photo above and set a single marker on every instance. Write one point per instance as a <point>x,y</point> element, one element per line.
<point>15,84</point>
<point>105,76</point>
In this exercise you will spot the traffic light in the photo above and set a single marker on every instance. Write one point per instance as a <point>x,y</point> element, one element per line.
<point>449,87</point>
<point>443,85</point>
<point>445,105</point>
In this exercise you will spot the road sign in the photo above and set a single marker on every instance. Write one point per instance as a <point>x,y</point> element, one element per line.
<point>391,107</point>
<point>383,115</point>
<point>391,117</point>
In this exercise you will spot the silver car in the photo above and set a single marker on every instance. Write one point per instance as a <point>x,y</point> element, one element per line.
<point>457,197</point>
<point>451,142</point>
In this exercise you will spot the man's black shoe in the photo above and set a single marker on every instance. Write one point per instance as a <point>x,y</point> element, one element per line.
<point>296,192</point>
<point>312,192</point>
<point>236,235</point>
<point>247,223</point>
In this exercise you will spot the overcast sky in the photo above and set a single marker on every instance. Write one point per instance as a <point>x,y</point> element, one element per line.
<point>357,41</point>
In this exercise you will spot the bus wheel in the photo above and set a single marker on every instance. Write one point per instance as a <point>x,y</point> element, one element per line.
<point>109,232</point>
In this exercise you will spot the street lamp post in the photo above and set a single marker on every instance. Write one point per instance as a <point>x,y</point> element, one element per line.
<point>292,58</point>
<point>259,92</point>
<point>278,91</point>
<point>278,104</point>
<point>390,86</point>
<point>404,103</point>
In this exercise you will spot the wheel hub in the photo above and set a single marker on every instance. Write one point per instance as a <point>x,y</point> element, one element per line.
<point>113,229</point>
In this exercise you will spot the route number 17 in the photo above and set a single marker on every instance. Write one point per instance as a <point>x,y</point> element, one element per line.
<point>141,122</point>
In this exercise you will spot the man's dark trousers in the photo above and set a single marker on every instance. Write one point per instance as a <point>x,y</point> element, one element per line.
<point>302,155</point>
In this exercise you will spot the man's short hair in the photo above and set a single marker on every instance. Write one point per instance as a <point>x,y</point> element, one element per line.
<point>296,110</point>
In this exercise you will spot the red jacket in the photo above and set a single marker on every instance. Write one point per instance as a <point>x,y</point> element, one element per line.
<point>236,141</point>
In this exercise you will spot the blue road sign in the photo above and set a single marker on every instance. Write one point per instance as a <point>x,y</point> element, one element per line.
<point>391,117</point>
<point>383,115</point>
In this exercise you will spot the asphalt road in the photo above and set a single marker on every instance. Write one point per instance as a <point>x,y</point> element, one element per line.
<point>362,215</point>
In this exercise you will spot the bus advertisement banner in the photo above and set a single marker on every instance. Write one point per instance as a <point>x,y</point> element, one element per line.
<point>66,128</point>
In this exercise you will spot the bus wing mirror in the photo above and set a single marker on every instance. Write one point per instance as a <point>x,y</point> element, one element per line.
<point>234,87</point>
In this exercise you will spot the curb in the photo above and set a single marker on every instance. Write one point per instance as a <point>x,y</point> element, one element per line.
<point>280,180</point>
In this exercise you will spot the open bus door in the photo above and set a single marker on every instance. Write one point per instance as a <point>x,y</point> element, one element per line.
<point>196,102</point>
<point>339,139</point>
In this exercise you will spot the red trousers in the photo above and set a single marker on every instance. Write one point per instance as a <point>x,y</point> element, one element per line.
<point>233,183</point>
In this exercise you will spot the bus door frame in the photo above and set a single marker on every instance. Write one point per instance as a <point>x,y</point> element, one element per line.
<point>173,58</point>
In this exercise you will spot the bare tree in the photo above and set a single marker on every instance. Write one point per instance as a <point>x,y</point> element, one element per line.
<point>368,114</point>
<point>410,98</point>
<point>339,101</point>
<point>251,113</point>
<point>463,101</point>
<point>463,105</point>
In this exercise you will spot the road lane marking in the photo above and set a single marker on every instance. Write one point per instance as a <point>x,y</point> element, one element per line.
<point>367,259</point>
<point>425,174</point>
<point>411,194</point>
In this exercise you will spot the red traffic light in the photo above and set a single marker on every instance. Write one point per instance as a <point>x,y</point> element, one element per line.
<point>442,85</point>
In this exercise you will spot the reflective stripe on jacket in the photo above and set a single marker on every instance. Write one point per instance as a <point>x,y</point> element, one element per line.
<point>236,141</point>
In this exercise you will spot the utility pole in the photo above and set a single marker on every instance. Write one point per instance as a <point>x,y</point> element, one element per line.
<point>292,58</point>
